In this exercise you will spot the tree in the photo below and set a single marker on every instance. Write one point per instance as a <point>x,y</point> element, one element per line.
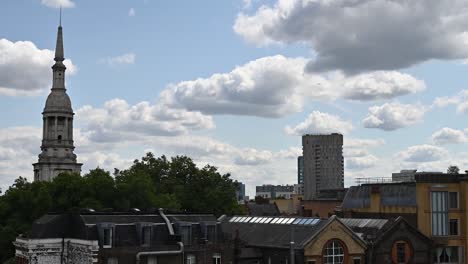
<point>453,169</point>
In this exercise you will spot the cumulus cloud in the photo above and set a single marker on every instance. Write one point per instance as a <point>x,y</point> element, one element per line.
<point>360,35</point>
<point>422,153</point>
<point>118,120</point>
<point>449,136</point>
<point>58,3</point>
<point>392,116</point>
<point>127,58</point>
<point>460,100</point>
<point>25,69</point>
<point>277,86</point>
<point>356,153</point>
<point>266,87</point>
<point>364,162</point>
<point>251,156</point>
<point>320,123</point>
<point>381,85</point>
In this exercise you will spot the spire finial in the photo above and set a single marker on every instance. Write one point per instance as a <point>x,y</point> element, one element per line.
<point>60,21</point>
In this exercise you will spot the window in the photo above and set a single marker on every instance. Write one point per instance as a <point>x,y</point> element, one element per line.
<point>334,253</point>
<point>112,261</point>
<point>356,260</point>
<point>152,260</point>
<point>146,236</point>
<point>216,258</point>
<point>190,259</point>
<point>186,234</point>
<point>107,240</point>
<point>401,252</point>
<point>211,233</point>
<point>453,200</point>
<point>439,213</point>
<point>446,255</point>
<point>454,227</point>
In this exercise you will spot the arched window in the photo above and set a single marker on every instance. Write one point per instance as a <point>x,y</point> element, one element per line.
<point>333,253</point>
<point>401,252</point>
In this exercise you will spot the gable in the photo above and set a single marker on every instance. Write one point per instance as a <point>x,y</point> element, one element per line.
<point>335,230</point>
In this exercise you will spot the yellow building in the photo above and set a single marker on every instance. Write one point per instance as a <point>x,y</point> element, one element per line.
<point>442,214</point>
<point>435,203</point>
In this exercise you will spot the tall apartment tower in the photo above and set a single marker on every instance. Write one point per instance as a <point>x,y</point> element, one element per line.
<point>300,170</point>
<point>57,134</point>
<point>323,163</point>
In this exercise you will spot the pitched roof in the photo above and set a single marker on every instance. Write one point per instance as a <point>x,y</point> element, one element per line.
<point>394,194</point>
<point>273,234</point>
<point>262,209</point>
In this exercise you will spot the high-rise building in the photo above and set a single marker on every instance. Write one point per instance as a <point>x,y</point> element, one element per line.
<point>323,163</point>
<point>57,134</point>
<point>300,170</point>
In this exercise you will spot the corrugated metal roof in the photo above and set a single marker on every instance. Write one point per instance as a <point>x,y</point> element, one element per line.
<point>364,223</point>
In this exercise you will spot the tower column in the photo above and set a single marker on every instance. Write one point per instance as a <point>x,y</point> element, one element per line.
<point>55,127</point>
<point>65,135</point>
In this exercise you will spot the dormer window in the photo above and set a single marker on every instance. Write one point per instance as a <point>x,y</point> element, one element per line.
<point>107,237</point>
<point>146,236</point>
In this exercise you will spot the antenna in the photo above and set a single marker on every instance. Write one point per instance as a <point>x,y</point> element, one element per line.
<point>60,22</point>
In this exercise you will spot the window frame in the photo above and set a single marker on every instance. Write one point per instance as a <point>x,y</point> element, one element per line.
<point>439,200</point>
<point>450,200</point>
<point>216,258</point>
<point>143,236</point>
<point>191,259</point>
<point>325,254</point>
<point>457,221</point>
<point>111,237</point>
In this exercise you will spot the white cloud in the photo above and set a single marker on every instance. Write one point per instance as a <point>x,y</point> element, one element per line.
<point>449,136</point>
<point>356,153</point>
<point>363,162</point>
<point>131,12</point>
<point>381,85</point>
<point>251,156</point>
<point>360,35</point>
<point>267,87</point>
<point>392,116</point>
<point>127,58</point>
<point>58,3</point>
<point>25,69</point>
<point>422,153</point>
<point>277,86</point>
<point>320,123</point>
<point>118,120</point>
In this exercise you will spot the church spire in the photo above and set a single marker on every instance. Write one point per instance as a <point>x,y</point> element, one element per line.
<point>59,47</point>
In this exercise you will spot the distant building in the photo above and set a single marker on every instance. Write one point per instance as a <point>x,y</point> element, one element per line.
<point>434,202</point>
<point>303,240</point>
<point>299,189</point>
<point>300,170</point>
<point>323,163</point>
<point>262,209</point>
<point>113,238</point>
<point>404,176</point>
<point>240,192</point>
<point>268,191</point>
<point>382,200</point>
<point>57,134</point>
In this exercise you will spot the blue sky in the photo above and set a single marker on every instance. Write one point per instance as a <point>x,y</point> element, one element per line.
<point>235,83</point>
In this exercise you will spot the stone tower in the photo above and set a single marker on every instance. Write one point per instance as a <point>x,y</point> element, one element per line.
<point>57,134</point>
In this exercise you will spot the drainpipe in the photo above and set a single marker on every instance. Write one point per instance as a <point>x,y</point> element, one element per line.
<point>164,252</point>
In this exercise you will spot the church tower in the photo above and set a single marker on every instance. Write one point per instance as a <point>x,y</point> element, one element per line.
<point>57,134</point>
